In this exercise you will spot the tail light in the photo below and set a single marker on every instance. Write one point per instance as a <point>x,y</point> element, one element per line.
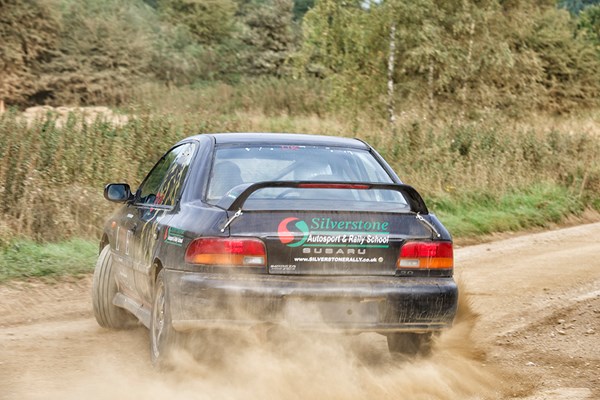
<point>232,252</point>
<point>426,255</point>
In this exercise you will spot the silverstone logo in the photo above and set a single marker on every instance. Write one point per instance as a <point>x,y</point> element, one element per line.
<point>295,232</point>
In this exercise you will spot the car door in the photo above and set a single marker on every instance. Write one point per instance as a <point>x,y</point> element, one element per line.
<point>154,204</point>
<point>122,250</point>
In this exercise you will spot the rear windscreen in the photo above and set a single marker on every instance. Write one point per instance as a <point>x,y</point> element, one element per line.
<point>236,167</point>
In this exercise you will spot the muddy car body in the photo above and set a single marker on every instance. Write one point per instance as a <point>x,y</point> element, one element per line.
<point>236,230</point>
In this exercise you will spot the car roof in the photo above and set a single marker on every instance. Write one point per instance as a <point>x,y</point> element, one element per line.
<point>283,139</point>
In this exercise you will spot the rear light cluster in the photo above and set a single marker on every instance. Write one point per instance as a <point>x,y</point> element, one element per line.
<point>232,252</point>
<point>426,255</point>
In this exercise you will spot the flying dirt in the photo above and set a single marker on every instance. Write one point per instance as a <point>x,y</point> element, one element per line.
<point>528,328</point>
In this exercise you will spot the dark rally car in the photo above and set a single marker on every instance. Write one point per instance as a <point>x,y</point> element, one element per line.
<point>312,232</point>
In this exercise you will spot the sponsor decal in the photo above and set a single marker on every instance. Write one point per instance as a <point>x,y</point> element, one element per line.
<point>174,236</point>
<point>286,233</point>
<point>362,260</point>
<point>282,267</point>
<point>127,241</point>
<point>348,225</point>
<point>336,251</point>
<point>347,235</point>
<point>117,241</point>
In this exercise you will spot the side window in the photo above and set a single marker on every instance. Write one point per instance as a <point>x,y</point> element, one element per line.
<point>163,184</point>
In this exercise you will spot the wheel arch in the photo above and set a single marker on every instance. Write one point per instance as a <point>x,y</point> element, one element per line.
<point>103,242</point>
<point>157,266</point>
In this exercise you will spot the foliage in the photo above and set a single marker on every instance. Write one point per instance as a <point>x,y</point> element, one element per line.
<point>223,40</point>
<point>175,60</point>
<point>571,67</point>
<point>492,156</point>
<point>29,32</point>
<point>588,25</point>
<point>475,214</point>
<point>52,172</point>
<point>576,6</point>
<point>512,55</point>
<point>301,7</point>
<point>102,53</point>
<point>268,36</point>
<point>210,21</point>
<point>26,259</point>
<point>215,101</point>
<point>467,55</point>
<point>342,45</point>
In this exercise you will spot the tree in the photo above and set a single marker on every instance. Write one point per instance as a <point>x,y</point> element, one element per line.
<point>345,45</point>
<point>588,25</point>
<point>210,21</point>
<point>199,40</point>
<point>514,54</point>
<point>576,6</point>
<point>268,36</point>
<point>301,7</point>
<point>104,50</point>
<point>571,67</point>
<point>29,34</point>
<point>435,47</point>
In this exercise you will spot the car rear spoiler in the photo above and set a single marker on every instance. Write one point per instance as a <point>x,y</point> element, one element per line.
<point>414,199</point>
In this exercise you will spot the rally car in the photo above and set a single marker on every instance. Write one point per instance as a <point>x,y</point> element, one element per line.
<point>241,229</point>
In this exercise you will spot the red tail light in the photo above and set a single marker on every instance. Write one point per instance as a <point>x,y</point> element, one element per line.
<point>233,252</point>
<point>426,255</point>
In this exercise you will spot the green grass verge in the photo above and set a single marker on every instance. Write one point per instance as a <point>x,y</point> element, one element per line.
<point>477,214</point>
<point>26,259</point>
<point>466,216</point>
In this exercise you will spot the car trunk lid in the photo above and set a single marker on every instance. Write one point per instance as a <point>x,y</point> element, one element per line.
<point>331,242</point>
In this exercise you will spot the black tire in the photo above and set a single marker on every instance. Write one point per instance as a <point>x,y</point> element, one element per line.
<point>163,338</point>
<point>104,289</point>
<point>409,344</point>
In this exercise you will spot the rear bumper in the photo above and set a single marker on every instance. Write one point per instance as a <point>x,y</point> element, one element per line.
<point>350,304</point>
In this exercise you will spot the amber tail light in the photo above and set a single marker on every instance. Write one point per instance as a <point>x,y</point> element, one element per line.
<point>426,255</point>
<point>231,252</point>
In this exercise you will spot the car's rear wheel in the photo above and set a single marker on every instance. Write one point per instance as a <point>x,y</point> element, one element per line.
<point>163,338</point>
<point>409,344</point>
<point>104,289</point>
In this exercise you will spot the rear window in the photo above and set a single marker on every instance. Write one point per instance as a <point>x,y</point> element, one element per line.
<point>234,168</point>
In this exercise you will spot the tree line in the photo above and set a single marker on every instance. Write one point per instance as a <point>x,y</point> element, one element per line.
<point>507,54</point>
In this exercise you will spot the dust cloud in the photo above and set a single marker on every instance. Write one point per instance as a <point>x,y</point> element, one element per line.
<point>292,365</point>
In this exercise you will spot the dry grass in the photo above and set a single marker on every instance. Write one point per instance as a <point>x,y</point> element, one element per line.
<point>52,175</point>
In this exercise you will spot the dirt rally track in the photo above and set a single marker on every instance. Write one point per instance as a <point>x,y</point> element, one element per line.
<point>537,337</point>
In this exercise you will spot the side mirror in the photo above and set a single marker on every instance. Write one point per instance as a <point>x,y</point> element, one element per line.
<point>117,192</point>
